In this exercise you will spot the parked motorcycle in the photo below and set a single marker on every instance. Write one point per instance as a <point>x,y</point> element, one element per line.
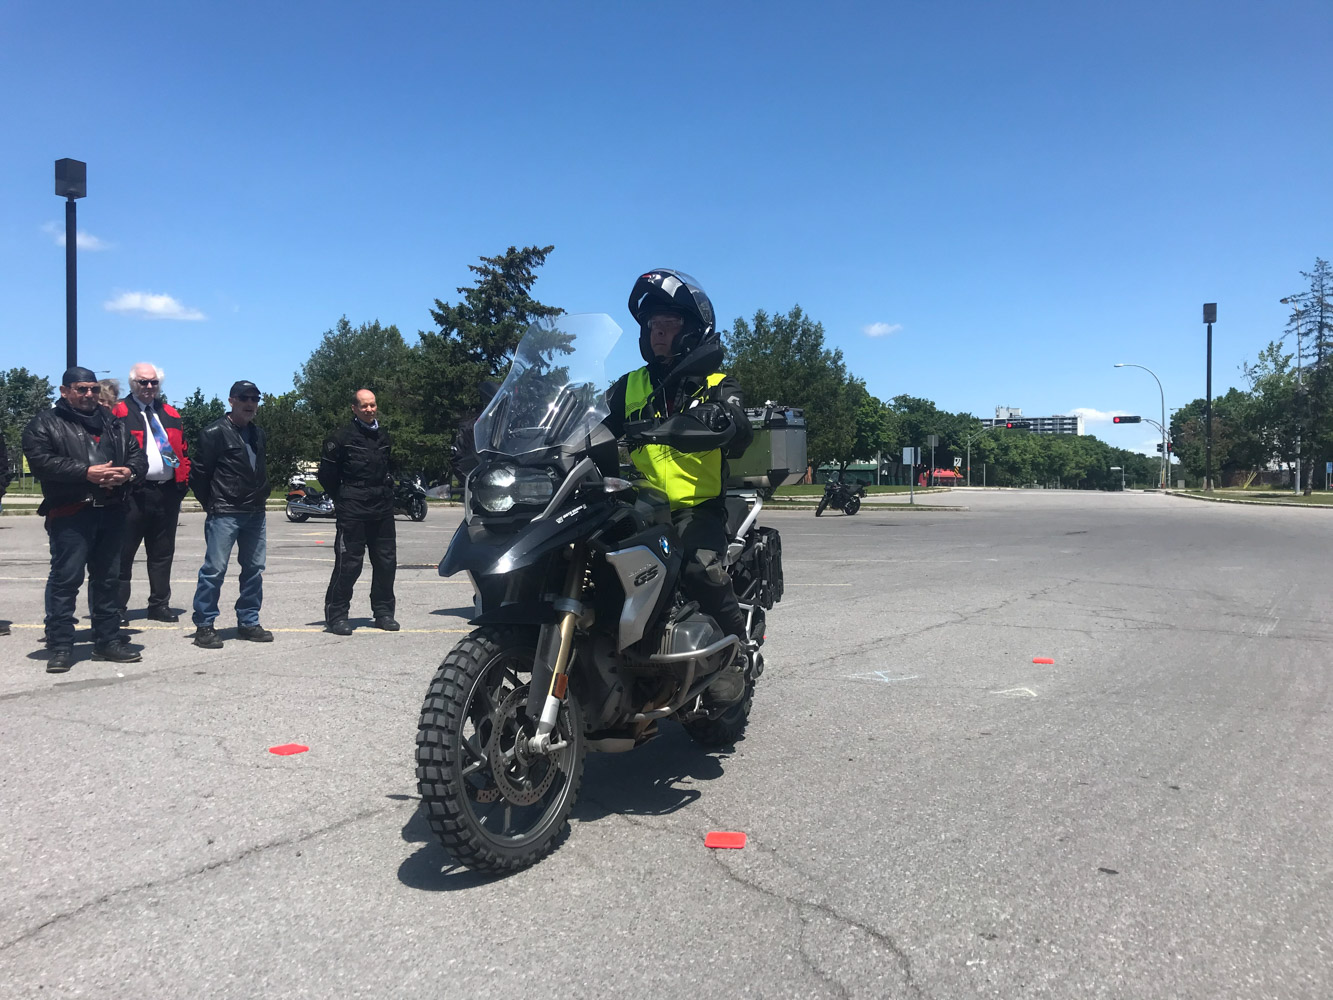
<point>409,497</point>
<point>841,496</point>
<point>582,638</point>
<point>304,501</point>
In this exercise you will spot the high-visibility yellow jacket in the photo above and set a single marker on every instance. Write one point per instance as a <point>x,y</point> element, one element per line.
<point>687,478</point>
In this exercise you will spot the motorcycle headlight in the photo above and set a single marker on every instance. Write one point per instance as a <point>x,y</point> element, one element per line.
<point>502,487</point>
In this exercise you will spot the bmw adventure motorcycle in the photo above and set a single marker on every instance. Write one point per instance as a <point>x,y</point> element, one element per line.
<point>841,496</point>
<point>304,501</point>
<point>582,639</point>
<point>409,497</point>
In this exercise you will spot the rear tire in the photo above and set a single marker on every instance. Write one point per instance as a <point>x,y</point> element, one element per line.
<point>823,502</point>
<point>853,505</point>
<point>727,728</point>
<point>476,708</point>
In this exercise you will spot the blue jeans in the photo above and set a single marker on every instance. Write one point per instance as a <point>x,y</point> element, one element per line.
<point>90,538</point>
<point>221,532</point>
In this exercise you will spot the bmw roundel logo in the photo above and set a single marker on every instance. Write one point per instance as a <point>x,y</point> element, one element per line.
<point>666,546</point>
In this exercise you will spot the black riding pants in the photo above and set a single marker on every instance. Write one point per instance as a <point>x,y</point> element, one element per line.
<point>151,517</point>
<point>355,536</point>
<point>90,539</point>
<point>703,533</point>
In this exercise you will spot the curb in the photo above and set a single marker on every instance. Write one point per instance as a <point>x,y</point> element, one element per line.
<point>1249,503</point>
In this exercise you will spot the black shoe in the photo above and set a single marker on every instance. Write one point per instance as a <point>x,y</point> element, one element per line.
<point>339,626</point>
<point>116,652</point>
<point>162,615</point>
<point>123,620</point>
<point>4,628</point>
<point>387,623</point>
<point>60,660</point>
<point>206,637</point>
<point>254,633</point>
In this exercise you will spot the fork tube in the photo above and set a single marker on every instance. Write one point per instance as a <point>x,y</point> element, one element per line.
<point>571,594</point>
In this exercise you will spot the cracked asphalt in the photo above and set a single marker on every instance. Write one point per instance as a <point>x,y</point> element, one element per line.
<point>930,813</point>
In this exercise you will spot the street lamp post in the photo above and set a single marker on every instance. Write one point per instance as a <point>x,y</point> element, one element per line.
<point>71,184</point>
<point>1162,425</point>
<point>1209,318</point>
<point>1116,468</point>
<point>1291,300</point>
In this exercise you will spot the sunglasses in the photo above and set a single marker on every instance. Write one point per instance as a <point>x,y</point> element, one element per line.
<point>83,390</point>
<point>145,382</point>
<point>246,399</point>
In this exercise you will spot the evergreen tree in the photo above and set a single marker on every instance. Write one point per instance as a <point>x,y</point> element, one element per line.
<point>475,339</point>
<point>197,413</point>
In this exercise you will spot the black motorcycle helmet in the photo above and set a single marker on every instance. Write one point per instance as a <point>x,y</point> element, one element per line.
<point>667,291</point>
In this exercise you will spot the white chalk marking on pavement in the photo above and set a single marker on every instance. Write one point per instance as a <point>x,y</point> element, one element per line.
<point>1017,693</point>
<point>882,676</point>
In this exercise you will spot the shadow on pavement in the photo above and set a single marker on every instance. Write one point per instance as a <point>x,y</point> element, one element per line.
<point>642,782</point>
<point>646,781</point>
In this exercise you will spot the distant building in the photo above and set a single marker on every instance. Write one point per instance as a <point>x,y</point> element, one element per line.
<point>1040,425</point>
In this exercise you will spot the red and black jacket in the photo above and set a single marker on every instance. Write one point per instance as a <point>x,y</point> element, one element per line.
<point>130,411</point>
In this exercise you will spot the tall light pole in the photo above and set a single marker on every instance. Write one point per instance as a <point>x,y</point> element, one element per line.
<point>71,184</point>
<point>1116,468</point>
<point>1291,300</point>
<point>1162,425</point>
<point>1209,318</point>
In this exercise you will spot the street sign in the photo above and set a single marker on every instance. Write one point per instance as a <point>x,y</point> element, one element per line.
<point>933,440</point>
<point>1328,468</point>
<point>958,463</point>
<point>909,456</point>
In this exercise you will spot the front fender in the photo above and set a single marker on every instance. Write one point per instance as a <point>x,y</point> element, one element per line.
<point>482,552</point>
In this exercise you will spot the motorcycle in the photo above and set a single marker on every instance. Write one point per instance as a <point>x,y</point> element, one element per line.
<point>409,497</point>
<point>582,638</point>
<point>304,501</point>
<point>841,496</point>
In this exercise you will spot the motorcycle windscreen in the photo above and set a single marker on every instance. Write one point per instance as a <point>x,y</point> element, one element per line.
<point>555,392</point>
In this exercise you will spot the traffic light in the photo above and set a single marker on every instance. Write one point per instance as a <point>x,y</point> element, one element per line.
<point>1126,420</point>
<point>1159,447</point>
<point>1018,425</point>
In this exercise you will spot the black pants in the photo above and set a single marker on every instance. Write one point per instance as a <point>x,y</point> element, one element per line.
<point>355,535</point>
<point>703,533</point>
<point>91,538</point>
<point>153,512</point>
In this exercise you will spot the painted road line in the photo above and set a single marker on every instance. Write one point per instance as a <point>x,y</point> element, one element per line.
<point>883,677</point>
<point>1017,693</point>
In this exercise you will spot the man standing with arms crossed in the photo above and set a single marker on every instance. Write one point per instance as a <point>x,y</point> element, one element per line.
<point>354,468</point>
<point>155,503</point>
<point>85,459</point>
<point>230,478</point>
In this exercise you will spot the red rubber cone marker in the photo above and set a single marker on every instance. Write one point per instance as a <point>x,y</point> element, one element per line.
<point>1042,659</point>
<point>287,749</point>
<point>719,838</point>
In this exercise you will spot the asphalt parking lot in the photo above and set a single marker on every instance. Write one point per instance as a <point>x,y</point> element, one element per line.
<point>930,811</point>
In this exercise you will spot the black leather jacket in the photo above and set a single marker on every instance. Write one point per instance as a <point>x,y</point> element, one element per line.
<point>220,471</point>
<point>354,468</point>
<point>60,452</point>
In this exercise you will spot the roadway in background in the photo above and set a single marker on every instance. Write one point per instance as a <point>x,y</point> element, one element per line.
<point>930,812</point>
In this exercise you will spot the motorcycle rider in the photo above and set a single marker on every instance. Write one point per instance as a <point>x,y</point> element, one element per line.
<point>676,320</point>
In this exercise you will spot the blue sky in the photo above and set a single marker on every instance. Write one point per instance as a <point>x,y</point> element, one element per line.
<point>1012,196</point>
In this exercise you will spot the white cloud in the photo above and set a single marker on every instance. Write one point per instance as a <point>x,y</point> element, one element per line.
<point>881,329</point>
<point>1091,416</point>
<point>149,306</point>
<point>82,240</point>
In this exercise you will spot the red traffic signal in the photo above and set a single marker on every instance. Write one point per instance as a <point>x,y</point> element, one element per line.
<point>1017,425</point>
<point>1126,420</point>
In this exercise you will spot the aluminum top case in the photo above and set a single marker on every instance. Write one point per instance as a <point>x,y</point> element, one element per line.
<point>776,456</point>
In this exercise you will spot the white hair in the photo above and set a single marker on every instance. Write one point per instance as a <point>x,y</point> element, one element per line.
<point>157,372</point>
